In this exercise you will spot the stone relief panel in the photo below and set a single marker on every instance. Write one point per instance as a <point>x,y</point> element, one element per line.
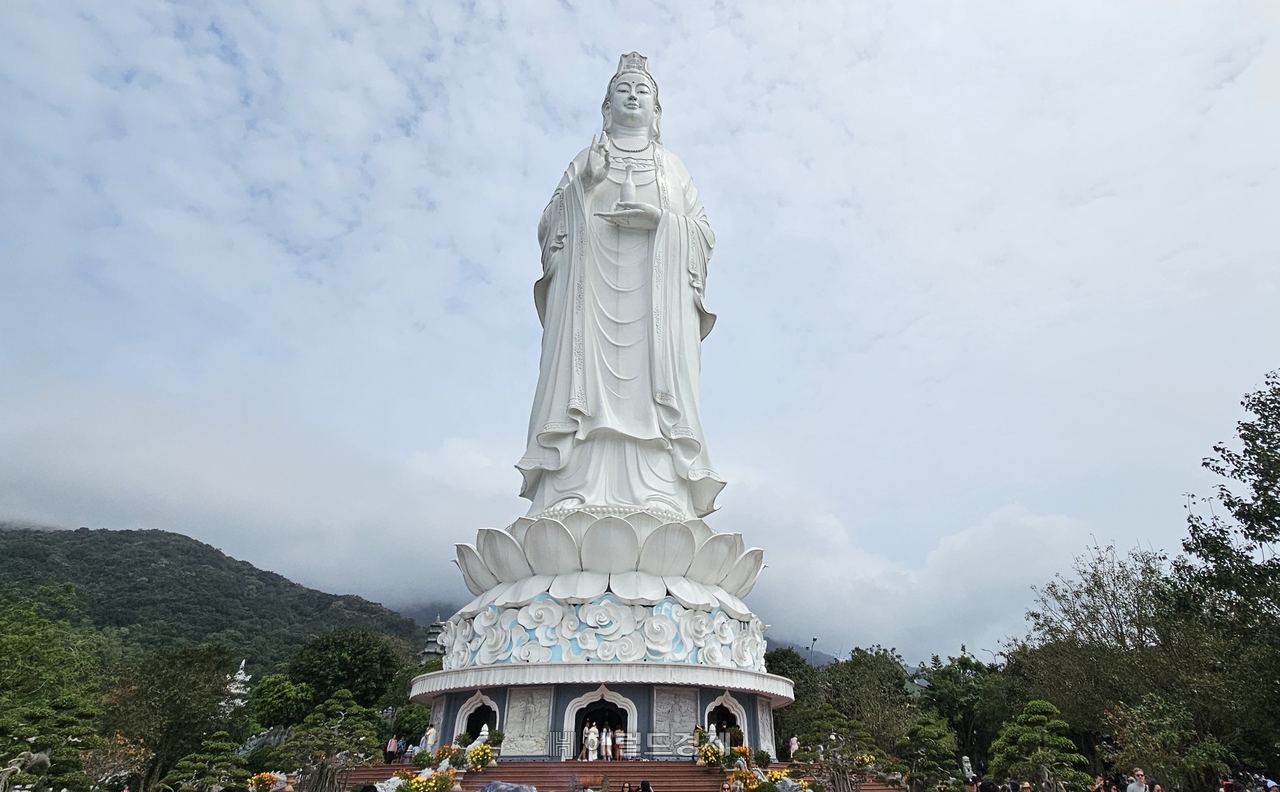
<point>604,629</point>
<point>528,722</point>
<point>437,717</point>
<point>764,716</point>
<point>675,714</point>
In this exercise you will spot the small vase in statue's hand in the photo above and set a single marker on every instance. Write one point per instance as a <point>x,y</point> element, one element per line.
<point>628,192</point>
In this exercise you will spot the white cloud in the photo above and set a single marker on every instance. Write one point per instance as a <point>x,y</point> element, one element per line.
<point>265,277</point>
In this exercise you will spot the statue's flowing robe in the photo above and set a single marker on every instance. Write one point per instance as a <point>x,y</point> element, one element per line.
<point>615,419</point>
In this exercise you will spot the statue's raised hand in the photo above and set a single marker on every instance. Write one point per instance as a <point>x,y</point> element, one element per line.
<point>632,214</point>
<point>597,168</point>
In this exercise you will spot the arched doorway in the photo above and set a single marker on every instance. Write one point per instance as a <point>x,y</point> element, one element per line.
<point>725,721</point>
<point>482,716</point>
<point>604,715</point>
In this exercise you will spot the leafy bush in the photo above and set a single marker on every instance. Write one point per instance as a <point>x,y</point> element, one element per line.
<point>762,758</point>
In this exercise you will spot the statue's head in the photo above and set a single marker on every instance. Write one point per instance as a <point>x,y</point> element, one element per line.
<point>632,99</point>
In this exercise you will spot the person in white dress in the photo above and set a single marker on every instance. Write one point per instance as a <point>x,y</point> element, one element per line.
<point>606,743</point>
<point>593,743</point>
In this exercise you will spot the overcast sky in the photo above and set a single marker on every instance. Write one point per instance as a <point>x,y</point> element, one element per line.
<point>991,276</point>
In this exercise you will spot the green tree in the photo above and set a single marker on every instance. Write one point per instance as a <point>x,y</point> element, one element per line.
<point>1228,587</point>
<point>969,694</point>
<point>214,766</point>
<point>1160,737</point>
<point>1035,747</point>
<point>169,701</point>
<point>338,735</point>
<point>363,663</point>
<point>870,687</point>
<point>1237,550</point>
<point>791,721</point>
<point>1106,634</point>
<point>279,701</point>
<point>928,755</point>
<point>48,701</point>
<point>836,746</point>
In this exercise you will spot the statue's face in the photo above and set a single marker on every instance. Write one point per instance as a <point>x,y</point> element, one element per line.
<point>632,101</point>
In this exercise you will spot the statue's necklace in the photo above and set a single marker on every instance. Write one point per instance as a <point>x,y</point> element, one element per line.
<point>645,147</point>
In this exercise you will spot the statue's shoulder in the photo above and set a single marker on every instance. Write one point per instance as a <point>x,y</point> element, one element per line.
<point>673,163</point>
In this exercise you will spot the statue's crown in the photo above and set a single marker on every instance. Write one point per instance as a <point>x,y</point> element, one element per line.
<point>633,62</point>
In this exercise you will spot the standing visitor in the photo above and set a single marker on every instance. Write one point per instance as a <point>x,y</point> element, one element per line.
<point>586,729</point>
<point>389,755</point>
<point>606,743</point>
<point>593,743</point>
<point>619,739</point>
<point>1139,783</point>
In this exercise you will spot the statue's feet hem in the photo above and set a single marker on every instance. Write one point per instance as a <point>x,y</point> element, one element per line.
<point>560,510</point>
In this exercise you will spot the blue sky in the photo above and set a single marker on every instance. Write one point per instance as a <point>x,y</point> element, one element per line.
<point>991,278</point>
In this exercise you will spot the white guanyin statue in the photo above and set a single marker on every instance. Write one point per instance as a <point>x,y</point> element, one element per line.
<point>613,562</point>
<point>625,245</point>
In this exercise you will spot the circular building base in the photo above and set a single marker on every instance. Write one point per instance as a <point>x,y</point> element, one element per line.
<point>542,709</point>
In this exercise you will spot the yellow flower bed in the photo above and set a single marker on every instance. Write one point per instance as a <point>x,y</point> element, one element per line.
<point>775,776</point>
<point>262,782</point>
<point>438,782</point>
<point>481,756</point>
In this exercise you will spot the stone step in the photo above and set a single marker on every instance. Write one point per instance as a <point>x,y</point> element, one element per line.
<point>560,776</point>
<point>556,776</point>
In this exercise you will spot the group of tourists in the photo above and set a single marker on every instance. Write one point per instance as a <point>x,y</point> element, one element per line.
<point>603,743</point>
<point>401,751</point>
<point>1136,781</point>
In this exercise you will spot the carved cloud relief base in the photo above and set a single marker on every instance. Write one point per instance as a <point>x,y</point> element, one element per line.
<point>603,630</point>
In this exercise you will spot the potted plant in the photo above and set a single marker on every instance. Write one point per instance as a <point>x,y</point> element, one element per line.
<point>480,757</point>
<point>708,754</point>
<point>495,740</point>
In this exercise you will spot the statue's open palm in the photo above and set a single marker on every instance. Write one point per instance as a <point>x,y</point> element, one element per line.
<point>632,214</point>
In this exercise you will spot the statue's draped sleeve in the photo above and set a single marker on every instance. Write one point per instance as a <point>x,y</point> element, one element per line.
<point>683,244</point>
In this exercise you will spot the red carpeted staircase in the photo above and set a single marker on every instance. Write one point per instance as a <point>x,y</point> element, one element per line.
<point>559,776</point>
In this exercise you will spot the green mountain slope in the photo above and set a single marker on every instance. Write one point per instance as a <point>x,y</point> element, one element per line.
<point>163,590</point>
